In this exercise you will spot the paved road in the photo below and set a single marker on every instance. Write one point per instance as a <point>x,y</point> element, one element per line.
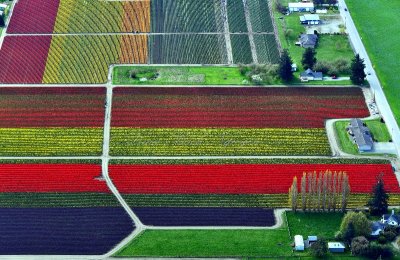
<point>376,87</point>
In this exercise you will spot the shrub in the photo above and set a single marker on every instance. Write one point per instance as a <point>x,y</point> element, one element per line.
<point>375,251</point>
<point>319,248</point>
<point>382,239</point>
<point>361,224</point>
<point>389,235</point>
<point>359,246</point>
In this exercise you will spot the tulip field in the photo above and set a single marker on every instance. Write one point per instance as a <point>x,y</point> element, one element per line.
<point>92,168</point>
<point>228,121</point>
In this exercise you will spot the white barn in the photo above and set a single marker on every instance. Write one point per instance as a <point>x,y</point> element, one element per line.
<point>298,243</point>
<point>310,19</point>
<point>301,7</point>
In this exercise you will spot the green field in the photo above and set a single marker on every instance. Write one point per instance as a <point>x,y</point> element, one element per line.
<point>180,75</point>
<point>378,130</point>
<point>314,224</point>
<point>218,141</point>
<point>210,243</point>
<point>378,24</point>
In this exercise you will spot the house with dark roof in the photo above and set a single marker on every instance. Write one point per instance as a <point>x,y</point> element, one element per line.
<point>391,219</point>
<point>377,228</point>
<point>360,135</point>
<point>308,40</point>
<point>311,75</point>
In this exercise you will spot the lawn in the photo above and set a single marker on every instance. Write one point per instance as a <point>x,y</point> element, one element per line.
<point>376,22</point>
<point>314,224</point>
<point>210,243</point>
<point>180,75</point>
<point>345,143</point>
<point>378,130</point>
<point>329,48</point>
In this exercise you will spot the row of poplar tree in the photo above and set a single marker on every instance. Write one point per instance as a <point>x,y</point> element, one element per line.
<point>323,191</point>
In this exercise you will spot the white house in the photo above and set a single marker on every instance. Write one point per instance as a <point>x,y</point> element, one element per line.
<point>310,19</point>
<point>3,7</point>
<point>311,75</point>
<point>377,228</point>
<point>301,7</point>
<point>298,243</point>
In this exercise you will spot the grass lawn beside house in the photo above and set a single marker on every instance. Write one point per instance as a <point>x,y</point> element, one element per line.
<point>378,130</point>
<point>329,48</point>
<point>314,224</point>
<point>378,24</point>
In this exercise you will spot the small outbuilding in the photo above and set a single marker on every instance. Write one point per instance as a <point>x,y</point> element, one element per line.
<point>3,7</point>
<point>308,40</point>
<point>336,247</point>
<point>311,75</point>
<point>310,19</point>
<point>301,7</point>
<point>298,243</point>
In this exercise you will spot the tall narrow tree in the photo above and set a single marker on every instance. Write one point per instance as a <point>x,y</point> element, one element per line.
<point>357,70</point>
<point>308,61</point>
<point>304,192</point>
<point>293,194</point>
<point>334,187</point>
<point>285,67</point>
<point>345,191</point>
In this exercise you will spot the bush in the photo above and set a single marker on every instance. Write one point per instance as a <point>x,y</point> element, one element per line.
<point>339,236</point>
<point>337,67</point>
<point>359,246</point>
<point>362,226</point>
<point>382,239</point>
<point>375,251</point>
<point>389,235</point>
<point>319,248</point>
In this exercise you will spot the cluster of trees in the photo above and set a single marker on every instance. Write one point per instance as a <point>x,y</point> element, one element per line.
<point>355,230</point>
<point>309,61</point>
<point>327,2</point>
<point>326,191</point>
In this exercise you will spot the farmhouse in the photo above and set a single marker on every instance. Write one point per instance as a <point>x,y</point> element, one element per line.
<point>311,75</point>
<point>310,19</point>
<point>336,247</point>
<point>360,135</point>
<point>391,219</point>
<point>308,40</point>
<point>301,7</point>
<point>377,227</point>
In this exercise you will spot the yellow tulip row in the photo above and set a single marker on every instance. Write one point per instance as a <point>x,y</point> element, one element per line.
<point>215,141</point>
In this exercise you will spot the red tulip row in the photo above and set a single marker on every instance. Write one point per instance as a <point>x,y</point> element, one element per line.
<point>51,178</point>
<point>238,179</point>
<point>34,16</point>
<point>23,58</point>
<point>52,107</point>
<point>232,107</point>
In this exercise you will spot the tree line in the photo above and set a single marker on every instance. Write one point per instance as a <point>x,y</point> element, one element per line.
<point>326,191</point>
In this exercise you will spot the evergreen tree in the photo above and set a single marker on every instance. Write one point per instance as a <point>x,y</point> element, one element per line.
<point>357,70</point>
<point>285,67</point>
<point>378,204</point>
<point>308,61</point>
<point>2,21</point>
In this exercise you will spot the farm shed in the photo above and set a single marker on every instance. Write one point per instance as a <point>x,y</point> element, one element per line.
<point>336,247</point>
<point>301,7</point>
<point>310,19</point>
<point>298,243</point>
<point>361,135</point>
